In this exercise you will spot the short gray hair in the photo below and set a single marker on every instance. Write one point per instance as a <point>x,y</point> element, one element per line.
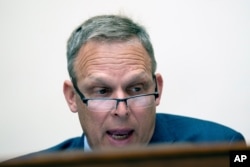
<point>107,28</point>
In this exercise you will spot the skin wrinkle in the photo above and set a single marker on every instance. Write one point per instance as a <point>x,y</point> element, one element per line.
<point>89,61</point>
<point>115,66</point>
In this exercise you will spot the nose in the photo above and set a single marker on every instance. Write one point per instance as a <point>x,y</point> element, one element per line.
<point>121,108</point>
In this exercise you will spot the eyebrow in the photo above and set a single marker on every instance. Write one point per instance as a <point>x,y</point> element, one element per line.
<point>97,80</point>
<point>138,77</point>
<point>102,80</point>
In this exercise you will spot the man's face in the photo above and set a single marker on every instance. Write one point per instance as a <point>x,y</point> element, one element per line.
<point>115,70</point>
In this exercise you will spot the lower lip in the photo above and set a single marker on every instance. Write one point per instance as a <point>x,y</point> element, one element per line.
<point>120,142</point>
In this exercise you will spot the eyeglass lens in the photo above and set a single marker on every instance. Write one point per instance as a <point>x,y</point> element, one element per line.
<point>107,105</point>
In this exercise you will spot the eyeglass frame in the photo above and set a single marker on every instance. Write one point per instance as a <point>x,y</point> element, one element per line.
<point>118,100</point>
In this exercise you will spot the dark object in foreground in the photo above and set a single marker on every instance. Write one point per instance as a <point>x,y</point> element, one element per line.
<point>157,155</point>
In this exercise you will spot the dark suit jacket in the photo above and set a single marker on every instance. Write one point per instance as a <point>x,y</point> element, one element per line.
<point>169,129</point>
<point>173,129</point>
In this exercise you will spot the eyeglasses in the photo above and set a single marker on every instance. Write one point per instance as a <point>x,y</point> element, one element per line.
<point>136,102</point>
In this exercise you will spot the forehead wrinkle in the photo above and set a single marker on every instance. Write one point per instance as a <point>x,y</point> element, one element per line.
<point>131,56</point>
<point>114,65</point>
<point>121,59</point>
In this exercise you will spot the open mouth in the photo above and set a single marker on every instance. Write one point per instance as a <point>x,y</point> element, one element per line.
<point>120,134</point>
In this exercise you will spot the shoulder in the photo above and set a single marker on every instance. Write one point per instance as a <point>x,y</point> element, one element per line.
<point>175,128</point>
<point>76,143</point>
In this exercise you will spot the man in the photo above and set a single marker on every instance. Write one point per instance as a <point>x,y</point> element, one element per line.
<point>115,91</point>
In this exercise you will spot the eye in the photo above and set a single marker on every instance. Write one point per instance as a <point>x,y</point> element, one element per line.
<point>101,91</point>
<point>136,89</point>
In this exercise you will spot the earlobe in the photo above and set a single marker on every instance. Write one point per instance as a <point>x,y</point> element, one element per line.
<point>70,95</point>
<point>159,80</point>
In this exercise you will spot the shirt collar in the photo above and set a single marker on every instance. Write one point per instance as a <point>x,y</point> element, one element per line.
<point>86,145</point>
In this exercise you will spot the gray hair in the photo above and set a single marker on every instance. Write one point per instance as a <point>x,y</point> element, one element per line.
<point>106,28</point>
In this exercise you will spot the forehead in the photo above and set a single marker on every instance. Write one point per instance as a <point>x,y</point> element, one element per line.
<point>114,58</point>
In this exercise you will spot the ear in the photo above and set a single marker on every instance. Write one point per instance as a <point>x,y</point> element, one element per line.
<point>70,95</point>
<point>159,81</point>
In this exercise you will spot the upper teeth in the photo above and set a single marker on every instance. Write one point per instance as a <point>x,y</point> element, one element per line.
<point>119,136</point>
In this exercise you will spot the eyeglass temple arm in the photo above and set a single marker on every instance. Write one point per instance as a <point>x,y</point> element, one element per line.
<point>78,91</point>
<point>156,87</point>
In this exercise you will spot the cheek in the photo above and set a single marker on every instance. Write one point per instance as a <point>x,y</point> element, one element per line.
<point>91,122</point>
<point>146,119</point>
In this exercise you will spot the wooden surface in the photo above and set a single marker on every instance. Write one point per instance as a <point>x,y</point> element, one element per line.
<point>188,155</point>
